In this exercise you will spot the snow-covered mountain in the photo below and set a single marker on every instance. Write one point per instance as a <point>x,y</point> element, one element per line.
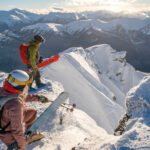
<point>42,28</point>
<point>60,17</point>
<point>11,19</point>
<point>73,29</point>
<point>137,131</point>
<point>97,79</point>
<point>128,24</point>
<point>16,18</point>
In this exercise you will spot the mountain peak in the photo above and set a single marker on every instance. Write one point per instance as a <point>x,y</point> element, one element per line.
<point>97,82</point>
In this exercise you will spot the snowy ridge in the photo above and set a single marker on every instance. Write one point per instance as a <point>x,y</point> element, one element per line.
<point>16,16</point>
<point>72,69</point>
<point>97,79</point>
<point>60,17</point>
<point>83,25</point>
<point>138,98</point>
<point>126,23</point>
<point>137,132</point>
<point>41,28</point>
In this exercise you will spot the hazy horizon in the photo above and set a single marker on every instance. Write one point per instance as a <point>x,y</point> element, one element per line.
<point>78,5</point>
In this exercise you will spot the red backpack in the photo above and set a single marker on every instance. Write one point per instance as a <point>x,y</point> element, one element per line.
<point>23,50</point>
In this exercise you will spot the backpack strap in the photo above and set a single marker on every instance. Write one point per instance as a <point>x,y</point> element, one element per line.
<point>28,54</point>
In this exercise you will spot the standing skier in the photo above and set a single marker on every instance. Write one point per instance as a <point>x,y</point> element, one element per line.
<point>14,112</point>
<point>35,58</point>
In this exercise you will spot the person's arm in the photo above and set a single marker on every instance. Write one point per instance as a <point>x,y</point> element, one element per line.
<point>16,123</point>
<point>32,58</point>
<point>31,98</point>
<point>36,97</point>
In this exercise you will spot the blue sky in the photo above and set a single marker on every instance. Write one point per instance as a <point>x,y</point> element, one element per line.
<point>44,4</point>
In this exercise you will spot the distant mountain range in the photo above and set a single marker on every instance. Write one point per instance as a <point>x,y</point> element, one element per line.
<point>63,30</point>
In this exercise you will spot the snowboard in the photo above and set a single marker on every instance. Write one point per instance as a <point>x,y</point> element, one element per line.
<point>48,61</point>
<point>49,112</point>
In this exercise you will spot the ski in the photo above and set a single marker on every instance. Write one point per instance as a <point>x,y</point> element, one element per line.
<point>49,112</point>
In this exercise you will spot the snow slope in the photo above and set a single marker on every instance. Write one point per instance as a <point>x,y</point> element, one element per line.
<point>138,101</point>
<point>74,73</point>
<point>137,135</point>
<point>97,79</point>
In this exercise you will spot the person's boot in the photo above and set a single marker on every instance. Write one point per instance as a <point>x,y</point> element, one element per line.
<point>35,137</point>
<point>41,85</point>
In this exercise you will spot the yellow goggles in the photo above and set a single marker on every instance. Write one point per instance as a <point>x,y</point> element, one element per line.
<point>20,82</point>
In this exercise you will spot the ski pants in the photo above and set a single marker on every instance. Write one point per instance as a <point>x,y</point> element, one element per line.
<point>30,115</point>
<point>36,76</point>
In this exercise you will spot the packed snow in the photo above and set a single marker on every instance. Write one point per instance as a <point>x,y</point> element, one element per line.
<point>98,79</point>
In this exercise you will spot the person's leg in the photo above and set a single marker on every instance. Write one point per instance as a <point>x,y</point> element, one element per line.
<point>31,74</point>
<point>37,78</point>
<point>7,139</point>
<point>29,119</point>
<point>30,115</point>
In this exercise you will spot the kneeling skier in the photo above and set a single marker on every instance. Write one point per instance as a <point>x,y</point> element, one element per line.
<point>14,112</point>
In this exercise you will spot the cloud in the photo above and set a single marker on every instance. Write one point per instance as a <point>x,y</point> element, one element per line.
<point>127,6</point>
<point>99,2</point>
<point>114,5</point>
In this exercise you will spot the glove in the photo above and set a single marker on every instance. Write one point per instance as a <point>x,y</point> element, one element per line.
<point>43,99</point>
<point>30,70</point>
